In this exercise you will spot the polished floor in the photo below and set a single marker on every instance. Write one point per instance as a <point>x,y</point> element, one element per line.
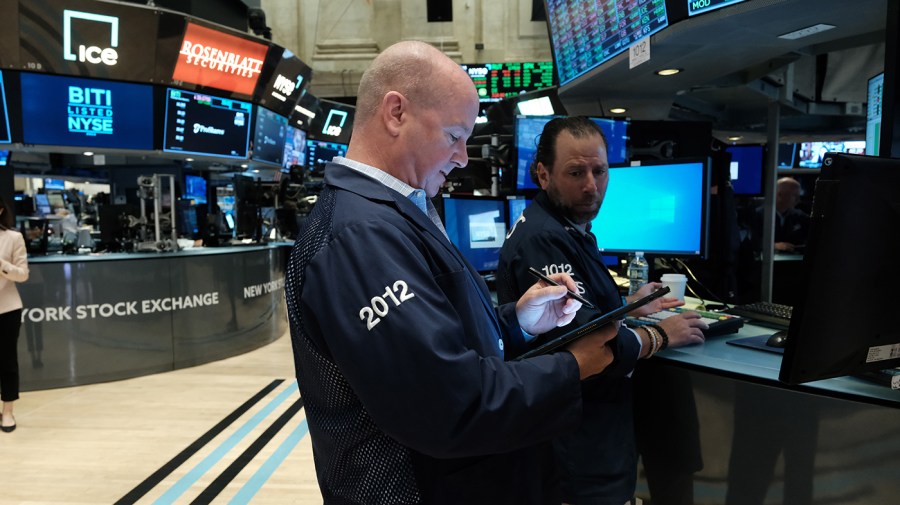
<point>232,431</point>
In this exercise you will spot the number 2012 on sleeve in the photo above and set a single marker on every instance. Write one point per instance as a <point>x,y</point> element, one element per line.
<point>378,306</point>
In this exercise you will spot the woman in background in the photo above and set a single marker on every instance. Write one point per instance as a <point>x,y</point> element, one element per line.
<point>13,268</point>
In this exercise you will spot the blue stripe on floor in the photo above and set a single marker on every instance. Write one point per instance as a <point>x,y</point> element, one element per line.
<point>262,475</point>
<point>214,457</point>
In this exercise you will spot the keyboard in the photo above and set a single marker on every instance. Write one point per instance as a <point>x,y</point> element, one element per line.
<point>719,324</point>
<point>764,312</point>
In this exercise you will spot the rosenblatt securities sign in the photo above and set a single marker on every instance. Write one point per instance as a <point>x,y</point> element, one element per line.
<point>218,60</point>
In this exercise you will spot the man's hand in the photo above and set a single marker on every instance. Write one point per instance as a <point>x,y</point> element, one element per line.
<point>684,329</point>
<point>592,352</point>
<point>544,307</point>
<point>657,305</point>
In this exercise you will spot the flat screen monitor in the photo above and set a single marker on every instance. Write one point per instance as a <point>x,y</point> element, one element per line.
<point>586,34</point>
<point>5,137</point>
<point>320,152</point>
<point>56,201</point>
<point>197,123</point>
<point>497,81</point>
<point>787,154</point>
<point>195,188</point>
<point>42,204</point>
<point>70,111</point>
<point>294,148</point>
<point>477,226</point>
<point>188,223</point>
<point>701,6</point>
<point>268,137</point>
<point>4,157</point>
<point>286,85</point>
<point>333,122</point>
<point>51,184</point>
<point>747,169</point>
<point>527,134</point>
<point>844,323</point>
<point>875,96</point>
<point>672,216</point>
<point>811,154</point>
<point>515,207</point>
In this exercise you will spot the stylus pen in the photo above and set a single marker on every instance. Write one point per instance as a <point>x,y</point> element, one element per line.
<point>537,273</point>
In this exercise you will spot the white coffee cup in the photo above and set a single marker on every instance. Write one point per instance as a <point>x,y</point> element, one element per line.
<point>676,283</point>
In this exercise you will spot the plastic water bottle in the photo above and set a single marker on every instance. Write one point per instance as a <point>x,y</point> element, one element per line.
<point>638,272</point>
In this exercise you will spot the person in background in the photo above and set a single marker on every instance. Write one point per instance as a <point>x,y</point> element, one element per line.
<point>398,348</point>
<point>791,223</point>
<point>13,269</point>
<point>598,462</point>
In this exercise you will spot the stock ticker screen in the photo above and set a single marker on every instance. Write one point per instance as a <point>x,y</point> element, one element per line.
<point>496,81</point>
<point>586,34</point>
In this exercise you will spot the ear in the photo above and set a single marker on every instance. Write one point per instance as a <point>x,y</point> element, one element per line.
<point>543,175</point>
<point>393,111</point>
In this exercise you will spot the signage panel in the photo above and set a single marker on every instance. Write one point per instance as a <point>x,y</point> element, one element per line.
<point>333,122</point>
<point>286,84</point>
<point>219,60</point>
<point>700,6</point>
<point>88,38</point>
<point>70,111</point>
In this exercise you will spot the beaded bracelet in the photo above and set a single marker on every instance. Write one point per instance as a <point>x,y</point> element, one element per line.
<point>664,335</point>
<point>654,340</point>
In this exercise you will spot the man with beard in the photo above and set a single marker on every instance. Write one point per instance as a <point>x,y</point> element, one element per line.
<point>598,462</point>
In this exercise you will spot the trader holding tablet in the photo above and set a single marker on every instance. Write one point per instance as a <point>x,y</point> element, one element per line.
<point>598,462</point>
<point>399,350</point>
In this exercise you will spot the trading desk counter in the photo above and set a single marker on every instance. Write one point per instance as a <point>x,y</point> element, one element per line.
<point>761,441</point>
<point>94,318</point>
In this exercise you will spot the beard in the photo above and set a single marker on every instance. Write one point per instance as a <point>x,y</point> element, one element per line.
<point>581,211</point>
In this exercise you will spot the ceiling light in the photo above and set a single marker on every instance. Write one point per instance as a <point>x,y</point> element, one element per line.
<point>668,71</point>
<point>243,165</point>
<point>806,32</point>
<point>618,110</point>
<point>189,159</point>
<point>88,153</point>
<point>734,138</point>
<point>255,170</point>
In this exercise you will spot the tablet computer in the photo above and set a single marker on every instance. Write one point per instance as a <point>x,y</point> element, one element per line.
<point>593,325</point>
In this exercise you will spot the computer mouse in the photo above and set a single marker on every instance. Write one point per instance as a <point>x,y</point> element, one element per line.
<point>778,339</point>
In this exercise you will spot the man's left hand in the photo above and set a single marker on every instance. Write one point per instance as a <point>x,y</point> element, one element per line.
<point>657,305</point>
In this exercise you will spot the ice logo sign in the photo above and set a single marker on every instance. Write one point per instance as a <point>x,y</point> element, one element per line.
<point>334,129</point>
<point>90,111</point>
<point>91,54</point>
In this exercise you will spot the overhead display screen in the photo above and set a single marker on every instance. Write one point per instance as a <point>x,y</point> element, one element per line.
<point>219,60</point>
<point>700,6</point>
<point>294,148</point>
<point>333,122</point>
<point>69,111</point>
<point>875,96</point>
<point>496,81</point>
<point>268,137</point>
<point>284,88</point>
<point>88,38</point>
<point>4,115</point>
<point>202,124</point>
<point>587,33</point>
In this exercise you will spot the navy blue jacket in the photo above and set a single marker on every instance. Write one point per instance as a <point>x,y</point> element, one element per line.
<point>599,461</point>
<point>400,360</point>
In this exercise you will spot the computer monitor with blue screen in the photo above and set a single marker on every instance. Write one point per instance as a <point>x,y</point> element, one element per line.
<point>515,207</point>
<point>42,204</point>
<point>787,154</point>
<point>747,169</point>
<point>4,157</point>
<point>659,208</point>
<point>527,135</point>
<point>195,188</point>
<point>477,226</point>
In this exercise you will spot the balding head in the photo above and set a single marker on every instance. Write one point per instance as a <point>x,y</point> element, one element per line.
<point>415,69</point>
<point>415,109</point>
<point>787,194</point>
